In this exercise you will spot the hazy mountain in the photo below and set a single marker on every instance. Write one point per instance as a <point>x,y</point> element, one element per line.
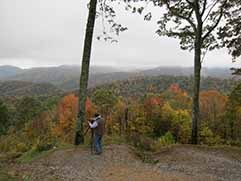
<point>20,88</point>
<point>53,75</point>
<point>175,71</point>
<point>187,71</point>
<point>217,72</point>
<point>8,71</point>
<point>49,74</point>
<point>67,77</point>
<point>104,69</point>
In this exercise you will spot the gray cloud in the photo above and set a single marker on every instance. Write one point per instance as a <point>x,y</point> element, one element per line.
<point>50,32</point>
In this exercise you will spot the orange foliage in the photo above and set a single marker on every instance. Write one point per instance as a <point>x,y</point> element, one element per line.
<point>66,114</point>
<point>67,111</point>
<point>90,108</point>
<point>152,105</point>
<point>212,104</point>
<point>41,125</point>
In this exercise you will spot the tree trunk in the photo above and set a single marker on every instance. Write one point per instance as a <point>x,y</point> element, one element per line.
<point>196,88</point>
<point>84,77</point>
<point>126,118</point>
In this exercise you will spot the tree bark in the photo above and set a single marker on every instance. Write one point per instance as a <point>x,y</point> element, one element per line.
<point>196,88</point>
<point>126,118</point>
<point>84,77</point>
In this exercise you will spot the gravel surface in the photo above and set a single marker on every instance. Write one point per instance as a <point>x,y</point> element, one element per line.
<point>214,163</point>
<point>119,163</point>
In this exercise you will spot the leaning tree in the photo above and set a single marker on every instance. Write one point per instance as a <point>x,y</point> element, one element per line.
<point>199,25</point>
<point>107,13</point>
<point>84,77</point>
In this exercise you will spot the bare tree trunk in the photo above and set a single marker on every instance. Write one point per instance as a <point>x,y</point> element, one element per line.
<point>79,137</point>
<point>120,125</point>
<point>196,88</point>
<point>126,118</point>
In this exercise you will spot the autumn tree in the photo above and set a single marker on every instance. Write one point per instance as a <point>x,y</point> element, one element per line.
<point>105,101</point>
<point>212,111</point>
<point>90,108</point>
<point>212,105</point>
<point>66,116</point>
<point>195,23</point>
<point>137,120</point>
<point>39,132</point>
<point>178,98</point>
<point>119,115</point>
<point>152,111</point>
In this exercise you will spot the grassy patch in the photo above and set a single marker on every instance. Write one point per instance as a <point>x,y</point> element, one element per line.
<point>6,177</point>
<point>33,154</point>
<point>114,139</point>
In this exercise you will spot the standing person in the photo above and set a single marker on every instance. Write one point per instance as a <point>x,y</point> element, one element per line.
<point>98,127</point>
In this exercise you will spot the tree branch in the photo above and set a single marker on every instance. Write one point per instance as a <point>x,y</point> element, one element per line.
<point>190,3</point>
<point>190,14</point>
<point>204,7</point>
<point>198,15</point>
<point>217,22</point>
<point>181,16</point>
<point>213,5</point>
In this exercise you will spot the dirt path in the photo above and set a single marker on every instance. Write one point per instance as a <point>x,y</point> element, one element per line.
<point>118,163</point>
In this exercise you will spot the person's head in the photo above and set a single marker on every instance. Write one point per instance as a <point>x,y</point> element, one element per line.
<point>97,115</point>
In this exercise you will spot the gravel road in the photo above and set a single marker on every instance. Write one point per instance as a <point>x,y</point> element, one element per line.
<point>119,163</point>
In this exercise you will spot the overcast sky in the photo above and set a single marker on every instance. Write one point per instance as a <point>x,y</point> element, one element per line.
<point>50,32</point>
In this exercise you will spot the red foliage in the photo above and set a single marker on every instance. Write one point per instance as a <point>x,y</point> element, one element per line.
<point>175,88</point>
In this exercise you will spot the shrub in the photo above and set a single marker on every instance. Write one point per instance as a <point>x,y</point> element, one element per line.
<point>207,137</point>
<point>167,139</point>
<point>21,147</point>
<point>145,143</point>
<point>140,141</point>
<point>44,144</point>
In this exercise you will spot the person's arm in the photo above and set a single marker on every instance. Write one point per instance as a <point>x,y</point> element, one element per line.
<point>93,125</point>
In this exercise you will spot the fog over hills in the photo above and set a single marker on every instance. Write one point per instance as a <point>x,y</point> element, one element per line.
<point>66,77</point>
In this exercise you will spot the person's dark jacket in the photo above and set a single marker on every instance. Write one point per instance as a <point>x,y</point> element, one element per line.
<point>100,129</point>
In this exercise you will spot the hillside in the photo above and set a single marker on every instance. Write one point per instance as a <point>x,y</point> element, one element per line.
<point>20,88</point>
<point>139,86</point>
<point>98,80</point>
<point>119,162</point>
<point>123,84</point>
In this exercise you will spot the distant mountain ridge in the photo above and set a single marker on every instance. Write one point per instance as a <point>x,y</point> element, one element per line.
<point>66,77</point>
<point>21,88</point>
<point>9,71</point>
<point>188,71</point>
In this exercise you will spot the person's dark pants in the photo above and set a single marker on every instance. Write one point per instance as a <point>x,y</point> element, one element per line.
<point>97,142</point>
